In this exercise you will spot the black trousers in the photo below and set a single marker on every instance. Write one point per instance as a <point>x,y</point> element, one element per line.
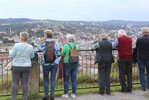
<point>104,76</point>
<point>125,73</point>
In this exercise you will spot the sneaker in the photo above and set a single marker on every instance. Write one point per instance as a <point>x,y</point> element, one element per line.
<point>65,96</point>
<point>73,96</point>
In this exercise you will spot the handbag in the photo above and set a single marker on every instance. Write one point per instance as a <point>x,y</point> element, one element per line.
<point>8,66</point>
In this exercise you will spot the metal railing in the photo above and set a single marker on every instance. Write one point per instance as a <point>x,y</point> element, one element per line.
<point>87,74</point>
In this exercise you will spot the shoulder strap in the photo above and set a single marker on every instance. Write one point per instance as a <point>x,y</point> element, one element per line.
<point>75,46</point>
<point>69,46</point>
<point>53,42</point>
<point>47,42</point>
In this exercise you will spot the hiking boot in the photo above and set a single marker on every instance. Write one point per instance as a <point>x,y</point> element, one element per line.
<point>51,97</point>
<point>129,90</point>
<point>45,98</point>
<point>101,92</point>
<point>108,92</point>
<point>143,89</point>
<point>147,86</point>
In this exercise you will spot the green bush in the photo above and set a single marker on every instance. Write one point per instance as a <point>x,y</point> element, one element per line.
<point>5,84</point>
<point>85,78</point>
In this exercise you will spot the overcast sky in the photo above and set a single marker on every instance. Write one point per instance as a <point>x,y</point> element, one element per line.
<point>87,10</point>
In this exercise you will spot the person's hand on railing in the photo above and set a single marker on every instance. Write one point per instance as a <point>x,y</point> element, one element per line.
<point>92,49</point>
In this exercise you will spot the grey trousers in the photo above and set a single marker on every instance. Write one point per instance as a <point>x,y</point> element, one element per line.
<point>17,74</point>
<point>104,76</point>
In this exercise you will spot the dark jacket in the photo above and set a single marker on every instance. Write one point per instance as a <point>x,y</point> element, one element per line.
<point>125,47</point>
<point>142,46</point>
<point>104,53</point>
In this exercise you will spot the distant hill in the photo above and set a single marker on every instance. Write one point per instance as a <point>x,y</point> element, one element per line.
<point>15,20</point>
<point>114,22</point>
<point>118,22</point>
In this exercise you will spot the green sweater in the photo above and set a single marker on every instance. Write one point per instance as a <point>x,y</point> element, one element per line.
<point>66,49</point>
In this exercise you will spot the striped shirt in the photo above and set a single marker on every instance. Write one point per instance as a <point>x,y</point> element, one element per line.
<point>42,47</point>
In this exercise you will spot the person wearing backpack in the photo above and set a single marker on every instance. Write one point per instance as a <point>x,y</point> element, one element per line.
<point>49,61</point>
<point>71,59</point>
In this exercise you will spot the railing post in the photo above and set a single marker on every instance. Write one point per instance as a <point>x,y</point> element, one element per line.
<point>34,79</point>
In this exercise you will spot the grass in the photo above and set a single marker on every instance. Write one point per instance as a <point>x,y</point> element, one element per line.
<point>79,92</point>
<point>84,80</point>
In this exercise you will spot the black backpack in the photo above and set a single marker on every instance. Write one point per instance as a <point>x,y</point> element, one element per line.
<point>73,54</point>
<point>49,55</point>
<point>35,59</point>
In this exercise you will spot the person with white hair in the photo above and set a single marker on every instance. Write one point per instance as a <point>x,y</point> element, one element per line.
<point>21,55</point>
<point>124,46</point>
<point>142,46</point>
<point>70,69</point>
<point>104,59</point>
<point>121,33</point>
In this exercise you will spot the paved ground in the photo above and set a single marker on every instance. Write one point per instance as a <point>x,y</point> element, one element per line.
<point>135,95</point>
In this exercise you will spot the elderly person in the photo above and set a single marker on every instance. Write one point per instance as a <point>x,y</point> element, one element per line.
<point>70,69</point>
<point>104,58</point>
<point>124,46</point>
<point>142,46</point>
<point>49,67</point>
<point>21,55</point>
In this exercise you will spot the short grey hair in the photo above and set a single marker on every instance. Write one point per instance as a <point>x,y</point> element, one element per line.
<point>145,30</point>
<point>24,36</point>
<point>121,33</point>
<point>104,36</point>
<point>70,37</point>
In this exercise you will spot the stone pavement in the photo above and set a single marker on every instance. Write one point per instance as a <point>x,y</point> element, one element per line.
<point>135,95</point>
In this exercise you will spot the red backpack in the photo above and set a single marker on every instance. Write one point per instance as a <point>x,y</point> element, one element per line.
<point>49,55</point>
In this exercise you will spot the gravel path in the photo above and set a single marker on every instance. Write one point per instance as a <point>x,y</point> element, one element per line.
<point>135,95</point>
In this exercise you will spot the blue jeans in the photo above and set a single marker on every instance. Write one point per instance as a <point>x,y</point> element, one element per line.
<point>142,66</point>
<point>70,70</point>
<point>46,70</point>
